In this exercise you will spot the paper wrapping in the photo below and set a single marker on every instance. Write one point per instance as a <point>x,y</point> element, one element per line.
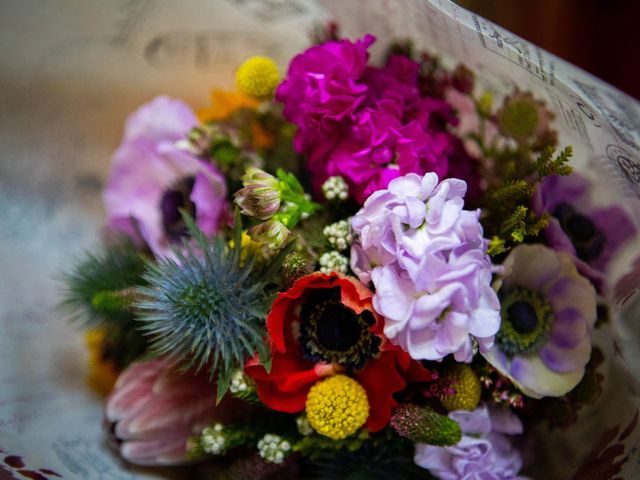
<point>72,72</point>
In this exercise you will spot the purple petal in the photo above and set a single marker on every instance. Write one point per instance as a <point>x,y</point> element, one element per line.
<point>566,360</point>
<point>569,328</point>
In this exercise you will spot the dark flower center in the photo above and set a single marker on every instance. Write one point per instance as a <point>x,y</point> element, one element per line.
<point>173,200</point>
<point>332,332</point>
<point>338,328</point>
<point>527,318</point>
<point>586,238</point>
<point>522,316</point>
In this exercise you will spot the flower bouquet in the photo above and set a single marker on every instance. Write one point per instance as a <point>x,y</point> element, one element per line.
<point>355,270</point>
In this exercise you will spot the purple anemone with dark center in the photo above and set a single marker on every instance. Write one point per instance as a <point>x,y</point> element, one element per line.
<point>153,179</point>
<point>590,234</point>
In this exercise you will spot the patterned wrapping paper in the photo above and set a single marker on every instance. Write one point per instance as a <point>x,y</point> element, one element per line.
<point>68,89</point>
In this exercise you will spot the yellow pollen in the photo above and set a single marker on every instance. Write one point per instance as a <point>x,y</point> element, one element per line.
<point>258,77</point>
<point>337,407</point>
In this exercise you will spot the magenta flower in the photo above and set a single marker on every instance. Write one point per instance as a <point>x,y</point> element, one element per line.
<point>591,235</point>
<point>426,258</point>
<point>152,178</point>
<point>323,89</point>
<point>485,451</point>
<point>153,410</point>
<point>548,312</point>
<point>380,148</point>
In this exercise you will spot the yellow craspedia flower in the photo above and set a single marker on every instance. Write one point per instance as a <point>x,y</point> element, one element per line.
<point>102,374</point>
<point>337,407</point>
<point>258,77</point>
<point>461,378</point>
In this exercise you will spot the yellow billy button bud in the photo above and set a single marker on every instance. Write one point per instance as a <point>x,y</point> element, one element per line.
<point>337,407</point>
<point>461,378</point>
<point>258,77</point>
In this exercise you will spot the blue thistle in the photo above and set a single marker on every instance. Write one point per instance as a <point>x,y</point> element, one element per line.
<point>207,309</point>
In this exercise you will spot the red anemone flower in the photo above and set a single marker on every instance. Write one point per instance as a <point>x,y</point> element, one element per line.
<point>323,325</point>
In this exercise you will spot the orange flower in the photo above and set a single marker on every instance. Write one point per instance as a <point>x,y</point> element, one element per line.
<point>224,103</point>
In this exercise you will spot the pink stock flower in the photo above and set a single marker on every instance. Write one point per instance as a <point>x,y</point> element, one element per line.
<point>427,259</point>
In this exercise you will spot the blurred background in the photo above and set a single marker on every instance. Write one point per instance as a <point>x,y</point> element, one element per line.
<point>600,36</point>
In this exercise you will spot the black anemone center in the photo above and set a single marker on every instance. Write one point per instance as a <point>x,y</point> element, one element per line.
<point>174,199</point>
<point>586,238</point>
<point>522,316</point>
<point>338,328</point>
<point>332,332</point>
<point>527,319</point>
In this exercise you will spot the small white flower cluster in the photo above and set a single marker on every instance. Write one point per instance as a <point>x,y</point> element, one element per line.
<point>335,188</point>
<point>338,234</point>
<point>273,448</point>
<point>214,439</point>
<point>333,261</point>
<point>304,427</point>
<point>239,382</point>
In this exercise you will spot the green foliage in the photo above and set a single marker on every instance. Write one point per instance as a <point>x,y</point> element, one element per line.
<point>547,165</point>
<point>96,276</point>
<point>384,456</point>
<point>296,205</point>
<point>207,308</point>
<point>99,294</point>
<point>508,218</point>
<point>315,446</point>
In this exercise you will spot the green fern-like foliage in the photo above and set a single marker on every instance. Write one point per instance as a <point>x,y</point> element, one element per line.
<point>206,309</point>
<point>508,218</point>
<point>547,164</point>
<point>98,294</point>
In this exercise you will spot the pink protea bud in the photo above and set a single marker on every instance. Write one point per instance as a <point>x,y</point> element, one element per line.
<point>272,233</point>
<point>153,410</point>
<point>260,196</point>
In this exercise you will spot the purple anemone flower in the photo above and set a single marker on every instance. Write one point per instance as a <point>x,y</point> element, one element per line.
<point>152,179</point>
<point>485,451</point>
<point>427,260</point>
<point>548,312</point>
<point>590,234</point>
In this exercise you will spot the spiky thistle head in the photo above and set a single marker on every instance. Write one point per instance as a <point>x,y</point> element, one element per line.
<point>206,309</point>
<point>98,276</point>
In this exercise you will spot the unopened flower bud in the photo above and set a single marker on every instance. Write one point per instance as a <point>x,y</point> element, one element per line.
<point>273,448</point>
<point>335,188</point>
<point>333,261</point>
<point>260,196</point>
<point>272,233</point>
<point>338,235</point>
<point>294,266</point>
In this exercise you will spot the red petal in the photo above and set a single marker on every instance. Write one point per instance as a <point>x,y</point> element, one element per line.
<point>381,379</point>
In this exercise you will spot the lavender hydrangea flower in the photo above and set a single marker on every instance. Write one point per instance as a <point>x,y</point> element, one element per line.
<point>152,179</point>
<point>548,314</point>
<point>590,234</point>
<point>427,260</point>
<point>484,452</point>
